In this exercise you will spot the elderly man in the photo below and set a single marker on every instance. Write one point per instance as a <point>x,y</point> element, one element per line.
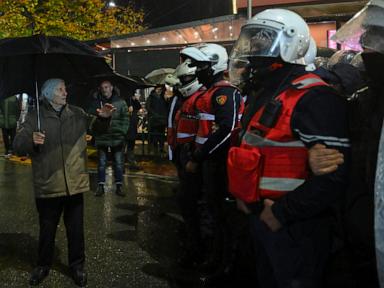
<point>60,177</point>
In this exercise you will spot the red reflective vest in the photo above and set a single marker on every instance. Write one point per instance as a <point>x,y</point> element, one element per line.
<point>206,115</point>
<point>183,128</point>
<point>271,165</point>
<point>186,120</point>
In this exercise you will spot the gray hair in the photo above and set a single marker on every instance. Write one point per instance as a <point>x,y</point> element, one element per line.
<point>49,86</point>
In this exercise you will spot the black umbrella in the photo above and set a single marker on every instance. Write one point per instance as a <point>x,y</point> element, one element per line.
<point>26,62</point>
<point>125,86</point>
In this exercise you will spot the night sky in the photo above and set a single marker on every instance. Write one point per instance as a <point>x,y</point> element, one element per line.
<point>160,13</point>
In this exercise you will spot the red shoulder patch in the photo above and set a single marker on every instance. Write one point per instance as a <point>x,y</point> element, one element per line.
<point>221,99</point>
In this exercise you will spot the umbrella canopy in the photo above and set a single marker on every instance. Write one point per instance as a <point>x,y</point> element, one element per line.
<point>125,85</point>
<point>27,61</point>
<point>158,76</point>
<point>144,82</point>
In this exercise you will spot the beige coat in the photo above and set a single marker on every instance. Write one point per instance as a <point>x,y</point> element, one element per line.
<point>60,165</point>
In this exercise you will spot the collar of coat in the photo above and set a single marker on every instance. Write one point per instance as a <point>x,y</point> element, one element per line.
<point>48,110</point>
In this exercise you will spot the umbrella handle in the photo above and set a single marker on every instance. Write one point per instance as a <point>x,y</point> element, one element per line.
<point>37,107</point>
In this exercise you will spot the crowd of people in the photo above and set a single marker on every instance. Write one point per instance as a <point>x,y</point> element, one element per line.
<point>276,155</point>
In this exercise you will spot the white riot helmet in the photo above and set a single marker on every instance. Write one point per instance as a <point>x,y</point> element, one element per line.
<point>365,29</point>
<point>273,33</point>
<point>188,83</point>
<point>211,53</point>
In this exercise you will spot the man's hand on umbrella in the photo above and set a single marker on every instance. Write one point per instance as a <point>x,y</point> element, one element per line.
<point>38,138</point>
<point>106,111</point>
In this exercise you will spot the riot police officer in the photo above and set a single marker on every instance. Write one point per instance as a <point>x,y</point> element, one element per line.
<point>290,110</point>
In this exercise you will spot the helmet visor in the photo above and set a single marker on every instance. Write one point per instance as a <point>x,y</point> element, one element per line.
<point>257,41</point>
<point>364,30</point>
<point>239,70</point>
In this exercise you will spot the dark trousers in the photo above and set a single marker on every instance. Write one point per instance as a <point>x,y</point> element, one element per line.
<point>118,163</point>
<point>189,197</point>
<point>131,144</point>
<point>214,189</point>
<point>50,210</point>
<point>8,136</point>
<point>157,136</point>
<point>293,257</point>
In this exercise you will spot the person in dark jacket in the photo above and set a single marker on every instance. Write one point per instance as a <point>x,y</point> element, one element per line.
<point>60,175</point>
<point>289,112</point>
<point>157,109</point>
<point>134,106</point>
<point>113,139</point>
<point>9,115</point>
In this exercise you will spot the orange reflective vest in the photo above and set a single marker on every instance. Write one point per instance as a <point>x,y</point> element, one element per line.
<point>186,120</point>
<point>183,128</point>
<point>206,115</point>
<point>271,165</point>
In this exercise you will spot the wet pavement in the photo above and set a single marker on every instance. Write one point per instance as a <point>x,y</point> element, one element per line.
<point>130,241</point>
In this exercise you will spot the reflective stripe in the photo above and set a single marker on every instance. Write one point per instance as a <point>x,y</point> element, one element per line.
<point>256,140</point>
<point>280,184</point>
<point>170,153</point>
<point>170,115</point>
<point>200,140</point>
<point>307,82</point>
<point>185,135</point>
<point>336,144</point>
<point>206,116</point>
<point>189,116</point>
<point>240,116</point>
<point>329,140</point>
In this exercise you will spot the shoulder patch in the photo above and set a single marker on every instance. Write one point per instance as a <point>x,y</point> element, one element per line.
<point>221,99</point>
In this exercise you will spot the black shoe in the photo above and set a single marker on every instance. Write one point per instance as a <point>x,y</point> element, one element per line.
<point>119,190</point>
<point>38,275</point>
<point>79,277</point>
<point>100,190</point>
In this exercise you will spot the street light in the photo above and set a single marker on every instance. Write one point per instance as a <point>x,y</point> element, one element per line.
<point>111,4</point>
